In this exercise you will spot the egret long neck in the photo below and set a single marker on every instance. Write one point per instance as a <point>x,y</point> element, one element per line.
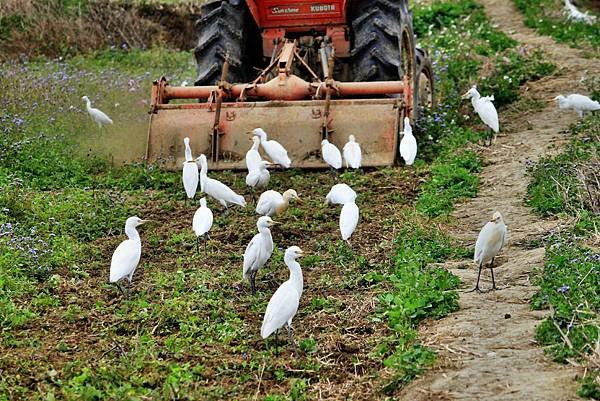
<point>188,153</point>
<point>88,104</point>
<point>296,277</point>
<point>132,233</point>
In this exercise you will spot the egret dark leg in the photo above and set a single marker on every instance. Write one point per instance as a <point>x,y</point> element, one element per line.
<point>205,245</point>
<point>197,245</point>
<point>253,282</point>
<point>128,288</point>
<point>276,343</point>
<point>492,270</point>
<point>478,276</point>
<point>291,339</point>
<point>120,289</point>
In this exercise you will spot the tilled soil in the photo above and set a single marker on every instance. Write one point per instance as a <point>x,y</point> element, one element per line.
<point>487,349</point>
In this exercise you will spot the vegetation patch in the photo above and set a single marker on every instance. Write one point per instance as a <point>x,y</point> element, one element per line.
<point>567,185</point>
<point>548,18</point>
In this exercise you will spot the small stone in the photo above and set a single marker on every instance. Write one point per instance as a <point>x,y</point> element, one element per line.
<point>507,316</point>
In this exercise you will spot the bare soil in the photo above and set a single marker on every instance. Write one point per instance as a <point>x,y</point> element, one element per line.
<point>487,349</point>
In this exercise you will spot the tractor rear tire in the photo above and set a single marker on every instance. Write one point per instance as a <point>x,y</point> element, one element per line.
<point>222,32</point>
<point>378,26</point>
<point>425,83</point>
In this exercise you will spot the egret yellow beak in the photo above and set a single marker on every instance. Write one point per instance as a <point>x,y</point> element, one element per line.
<point>465,96</point>
<point>273,222</point>
<point>298,199</point>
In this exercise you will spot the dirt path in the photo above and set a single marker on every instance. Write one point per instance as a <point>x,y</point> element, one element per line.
<point>486,349</point>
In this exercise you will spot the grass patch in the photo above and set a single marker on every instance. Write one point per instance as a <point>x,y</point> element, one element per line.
<point>567,185</point>
<point>548,18</point>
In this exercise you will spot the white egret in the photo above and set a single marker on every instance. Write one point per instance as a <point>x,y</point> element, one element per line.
<point>190,171</point>
<point>272,202</point>
<point>490,241</point>
<point>574,14</point>
<point>331,154</point>
<point>253,157</point>
<point>485,109</point>
<point>215,188</point>
<point>579,103</point>
<point>258,178</point>
<point>98,116</point>
<point>127,255</point>
<point>274,149</point>
<point>284,303</point>
<point>258,251</point>
<point>202,223</point>
<point>352,153</point>
<point>340,194</point>
<point>348,220</point>
<point>408,144</point>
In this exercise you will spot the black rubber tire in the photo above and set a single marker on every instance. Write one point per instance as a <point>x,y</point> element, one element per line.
<point>377,27</point>
<point>424,83</point>
<point>222,30</point>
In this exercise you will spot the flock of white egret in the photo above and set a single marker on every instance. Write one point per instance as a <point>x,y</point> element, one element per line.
<point>283,305</point>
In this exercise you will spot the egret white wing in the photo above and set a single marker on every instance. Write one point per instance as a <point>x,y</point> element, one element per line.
<point>277,153</point>
<point>124,260</point>
<point>202,221</point>
<point>340,194</point>
<point>332,155</point>
<point>408,149</point>
<point>348,219</point>
<point>190,178</point>
<point>488,114</point>
<point>352,155</point>
<point>281,309</point>
<point>267,203</point>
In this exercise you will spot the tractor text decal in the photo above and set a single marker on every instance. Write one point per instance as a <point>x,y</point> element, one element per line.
<point>285,10</point>
<point>322,8</point>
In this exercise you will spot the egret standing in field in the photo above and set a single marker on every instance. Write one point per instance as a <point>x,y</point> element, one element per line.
<point>580,103</point>
<point>340,194</point>
<point>331,154</point>
<point>274,149</point>
<point>408,144</point>
<point>127,255</point>
<point>272,202</point>
<point>352,153</point>
<point>215,188</point>
<point>258,251</point>
<point>190,171</point>
<point>253,157</point>
<point>485,109</point>
<point>284,303</point>
<point>258,178</point>
<point>97,115</point>
<point>202,223</point>
<point>348,220</point>
<point>490,241</point>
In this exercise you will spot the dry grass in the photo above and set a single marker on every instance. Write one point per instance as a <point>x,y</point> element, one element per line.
<point>52,28</point>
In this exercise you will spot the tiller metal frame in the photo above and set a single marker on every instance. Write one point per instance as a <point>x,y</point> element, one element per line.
<point>297,113</point>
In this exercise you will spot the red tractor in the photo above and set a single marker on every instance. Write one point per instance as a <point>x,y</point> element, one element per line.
<point>302,70</point>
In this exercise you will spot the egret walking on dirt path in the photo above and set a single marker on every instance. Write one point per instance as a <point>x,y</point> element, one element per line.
<point>490,241</point>
<point>340,194</point>
<point>331,154</point>
<point>127,255</point>
<point>274,149</point>
<point>575,15</point>
<point>98,116</point>
<point>408,144</point>
<point>190,171</point>
<point>284,303</point>
<point>580,103</point>
<point>272,202</point>
<point>348,220</point>
<point>202,223</point>
<point>215,188</point>
<point>258,251</point>
<point>352,153</point>
<point>485,109</point>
